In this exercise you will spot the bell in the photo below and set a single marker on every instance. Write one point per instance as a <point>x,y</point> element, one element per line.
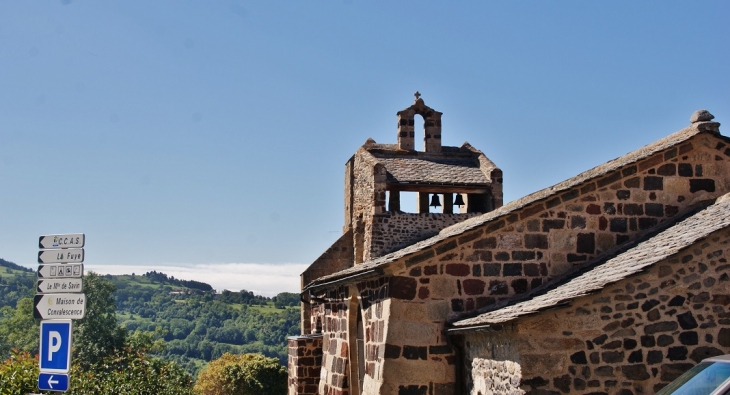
<point>435,202</point>
<point>459,201</point>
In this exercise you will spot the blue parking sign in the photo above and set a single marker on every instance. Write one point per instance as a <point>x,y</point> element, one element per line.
<point>53,382</point>
<point>55,350</point>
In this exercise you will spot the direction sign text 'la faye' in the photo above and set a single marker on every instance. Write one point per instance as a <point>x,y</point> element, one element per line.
<point>75,255</point>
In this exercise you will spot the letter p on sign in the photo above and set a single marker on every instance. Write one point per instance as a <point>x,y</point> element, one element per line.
<point>55,352</point>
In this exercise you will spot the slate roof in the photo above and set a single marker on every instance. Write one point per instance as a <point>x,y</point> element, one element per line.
<point>657,248</point>
<point>436,170</point>
<point>670,141</point>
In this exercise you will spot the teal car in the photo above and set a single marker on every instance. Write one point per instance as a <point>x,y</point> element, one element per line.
<point>709,377</point>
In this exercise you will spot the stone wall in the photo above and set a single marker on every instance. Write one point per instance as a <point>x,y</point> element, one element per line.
<point>393,231</point>
<point>304,363</point>
<point>523,249</point>
<point>633,337</point>
<point>492,377</point>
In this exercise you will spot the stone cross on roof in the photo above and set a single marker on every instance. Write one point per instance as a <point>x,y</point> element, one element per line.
<point>417,95</point>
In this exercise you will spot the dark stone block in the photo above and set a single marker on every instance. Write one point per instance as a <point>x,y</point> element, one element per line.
<point>664,340</point>
<point>562,383</point>
<point>430,270</point>
<point>535,382</point>
<point>586,243</point>
<point>609,208</point>
<point>594,358</point>
<point>415,352</point>
<point>612,356</point>
<point>579,358</point>
<point>415,272</point>
<point>632,182</point>
<point>548,224</point>
<point>629,344</point>
<point>677,353</point>
<point>600,339</point>
<point>649,304</point>
<point>652,183</point>
<point>492,269</point>
<point>424,256</point>
<point>520,286</point>
<point>484,301</point>
<point>458,269</point>
<point>523,255</point>
<point>687,320</point>
<point>593,209</point>
<point>647,223</point>
<point>579,384</point>
<point>654,356</point>
<point>392,351</point>
<point>487,242</point>
<point>633,209</point>
<point>668,169</point>
<point>603,371</point>
<point>403,287</point>
<point>446,247</point>
<point>700,353</point>
<point>677,301</point>
<point>648,341</point>
<point>723,338</point>
<point>689,338</point>
<point>577,222</point>
<point>440,349</point>
<point>536,240</point>
<point>619,225</point>
<point>702,184</point>
<point>623,194</point>
<point>535,282</point>
<point>473,286</point>
<point>635,372</point>
<point>497,287</point>
<point>685,170</point>
<point>610,179</point>
<point>531,269</point>
<point>698,170</point>
<point>665,326</point>
<point>576,258</point>
<point>412,390</point>
<point>654,209</point>
<point>612,345</point>
<point>502,256</point>
<point>512,269</point>
<point>476,270</point>
<point>457,305</point>
<point>636,357</point>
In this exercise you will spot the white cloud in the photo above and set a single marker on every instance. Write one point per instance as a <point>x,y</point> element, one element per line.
<point>262,279</point>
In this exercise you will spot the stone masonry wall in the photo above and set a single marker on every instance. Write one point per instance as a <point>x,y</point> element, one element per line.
<point>338,315</point>
<point>492,377</point>
<point>633,337</point>
<point>523,249</point>
<point>304,363</point>
<point>333,315</point>
<point>393,231</point>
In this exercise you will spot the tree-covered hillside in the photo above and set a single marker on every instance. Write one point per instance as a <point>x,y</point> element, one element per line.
<point>196,324</point>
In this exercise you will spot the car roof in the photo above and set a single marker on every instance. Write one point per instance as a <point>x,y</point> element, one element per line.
<point>720,358</point>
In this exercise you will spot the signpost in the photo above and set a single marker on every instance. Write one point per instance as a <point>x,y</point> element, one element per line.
<point>68,270</point>
<point>60,285</point>
<point>55,350</point>
<point>65,255</point>
<point>58,300</point>
<point>76,240</point>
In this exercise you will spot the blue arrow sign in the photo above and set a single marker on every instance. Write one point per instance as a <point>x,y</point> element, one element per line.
<point>53,382</point>
<point>55,350</point>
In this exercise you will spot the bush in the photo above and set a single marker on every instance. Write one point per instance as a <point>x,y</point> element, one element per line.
<point>247,374</point>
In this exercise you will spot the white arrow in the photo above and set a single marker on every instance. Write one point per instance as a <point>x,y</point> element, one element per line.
<point>51,381</point>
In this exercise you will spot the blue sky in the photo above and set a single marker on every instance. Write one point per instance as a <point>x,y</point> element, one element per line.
<point>190,134</point>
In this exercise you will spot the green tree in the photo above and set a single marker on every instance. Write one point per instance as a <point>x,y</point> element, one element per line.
<point>97,335</point>
<point>18,329</point>
<point>18,374</point>
<point>247,374</point>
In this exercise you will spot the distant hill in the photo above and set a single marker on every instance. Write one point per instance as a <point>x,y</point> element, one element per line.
<point>197,324</point>
<point>14,266</point>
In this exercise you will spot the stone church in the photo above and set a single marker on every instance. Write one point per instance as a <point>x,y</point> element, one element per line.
<point>614,281</point>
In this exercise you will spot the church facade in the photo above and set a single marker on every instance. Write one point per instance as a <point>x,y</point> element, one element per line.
<point>613,281</point>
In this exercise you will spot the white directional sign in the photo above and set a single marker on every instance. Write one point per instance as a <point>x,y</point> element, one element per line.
<point>55,350</point>
<point>61,270</point>
<point>70,255</point>
<point>59,306</point>
<point>60,285</point>
<point>75,240</point>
